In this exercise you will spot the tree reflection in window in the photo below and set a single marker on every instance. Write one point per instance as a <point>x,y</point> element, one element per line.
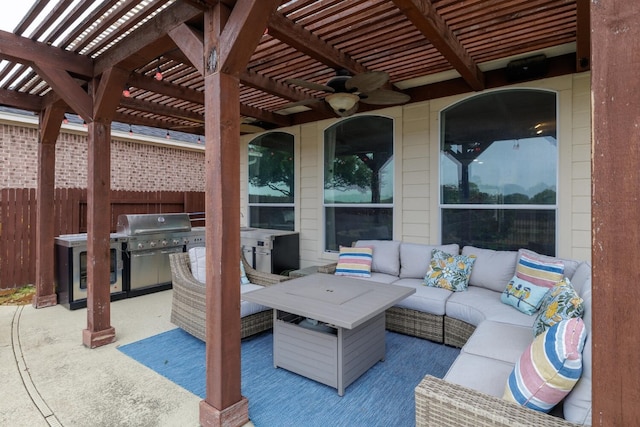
<point>498,170</point>
<point>271,181</point>
<point>358,181</point>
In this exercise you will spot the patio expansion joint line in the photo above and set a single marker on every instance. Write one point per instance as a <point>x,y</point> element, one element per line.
<point>25,375</point>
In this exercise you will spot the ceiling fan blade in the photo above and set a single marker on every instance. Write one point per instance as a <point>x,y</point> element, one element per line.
<point>384,97</point>
<point>309,85</point>
<point>367,82</point>
<point>299,103</point>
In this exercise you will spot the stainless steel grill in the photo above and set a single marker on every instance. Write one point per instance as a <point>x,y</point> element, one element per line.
<point>150,240</point>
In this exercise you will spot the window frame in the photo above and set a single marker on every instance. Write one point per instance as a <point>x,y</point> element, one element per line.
<point>394,174</point>
<point>555,207</point>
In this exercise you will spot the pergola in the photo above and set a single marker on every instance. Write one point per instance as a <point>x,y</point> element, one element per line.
<point>226,64</point>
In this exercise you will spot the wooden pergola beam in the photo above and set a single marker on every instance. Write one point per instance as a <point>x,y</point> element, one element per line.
<point>427,20</point>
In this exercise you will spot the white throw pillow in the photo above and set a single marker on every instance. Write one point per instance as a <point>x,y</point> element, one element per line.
<point>197,258</point>
<point>198,263</point>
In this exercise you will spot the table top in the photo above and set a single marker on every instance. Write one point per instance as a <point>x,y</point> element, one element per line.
<point>340,301</point>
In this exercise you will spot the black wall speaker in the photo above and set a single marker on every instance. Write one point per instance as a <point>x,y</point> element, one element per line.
<point>529,68</point>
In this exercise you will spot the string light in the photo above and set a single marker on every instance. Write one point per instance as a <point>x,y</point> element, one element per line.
<point>65,120</point>
<point>126,92</point>
<point>168,136</point>
<point>130,130</point>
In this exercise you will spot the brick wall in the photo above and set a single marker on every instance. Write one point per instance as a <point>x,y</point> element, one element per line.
<point>136,164</point>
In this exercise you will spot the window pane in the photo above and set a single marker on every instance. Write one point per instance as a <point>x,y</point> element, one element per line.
<point>501,229</point>
<point>358,161</point>
<point>345,225</point>
<point>500,148</point>
<point>358,169</point>
<point>271,172</point>
<point>278,217</point>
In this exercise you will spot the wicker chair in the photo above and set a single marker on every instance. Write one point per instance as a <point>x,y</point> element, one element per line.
<point>189,306</point>
<point>441,403</point>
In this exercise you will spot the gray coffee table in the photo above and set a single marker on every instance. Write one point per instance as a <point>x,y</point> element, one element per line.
<point>350,335</point>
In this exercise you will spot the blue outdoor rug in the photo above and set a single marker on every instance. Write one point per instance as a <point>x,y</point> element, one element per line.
<point>383,396</point>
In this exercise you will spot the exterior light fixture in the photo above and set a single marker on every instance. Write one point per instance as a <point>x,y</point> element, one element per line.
<point>342,102</point>
<point>168,136</point>
<point>158,75</point>
<point>126,92</point>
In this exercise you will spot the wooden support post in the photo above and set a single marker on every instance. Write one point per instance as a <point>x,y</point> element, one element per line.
<point>50,122</point>
<point>99,330</point>
<point>615,86</point>
<point>224,404</point>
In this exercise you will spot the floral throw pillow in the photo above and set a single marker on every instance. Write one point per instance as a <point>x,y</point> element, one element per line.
<point>448,271</point>
<point>561,302</point>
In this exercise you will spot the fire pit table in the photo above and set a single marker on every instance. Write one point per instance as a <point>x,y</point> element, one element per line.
<point>327,328</point>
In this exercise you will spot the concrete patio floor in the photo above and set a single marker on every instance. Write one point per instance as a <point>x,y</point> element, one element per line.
<point>50,378</point>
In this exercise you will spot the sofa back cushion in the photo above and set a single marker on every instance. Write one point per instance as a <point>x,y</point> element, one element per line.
<point>493,269</point>
<point>386,255</point>
<point>415,258</point>
<point>578,404</point>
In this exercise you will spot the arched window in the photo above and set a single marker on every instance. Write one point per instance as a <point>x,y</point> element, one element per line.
<point>271,181</point>
<point>358,181</point>
<point>499,171</point>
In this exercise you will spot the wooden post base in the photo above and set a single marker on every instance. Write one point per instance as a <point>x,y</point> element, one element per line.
<point>93,339</point>
<point>44,301</point>
<point>234,416</point>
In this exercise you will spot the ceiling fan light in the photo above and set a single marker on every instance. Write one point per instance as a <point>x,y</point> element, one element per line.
<point>341,102</point>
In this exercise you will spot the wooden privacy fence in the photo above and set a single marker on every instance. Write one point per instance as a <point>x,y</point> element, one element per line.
<point>69,214</point>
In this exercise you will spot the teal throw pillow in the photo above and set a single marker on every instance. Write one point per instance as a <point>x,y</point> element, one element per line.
<point>562,302</point>
<point>448,271</point>
<point>523,295</point>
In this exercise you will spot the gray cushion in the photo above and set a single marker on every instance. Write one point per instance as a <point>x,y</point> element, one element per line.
<point>498,340</point>
<point>386,255</point>
<point>578,404</point>
<point>415,258</point>
<point>477,304</point>
<point>492,269</point>
<point>480,373</point>
<point>426,299</point>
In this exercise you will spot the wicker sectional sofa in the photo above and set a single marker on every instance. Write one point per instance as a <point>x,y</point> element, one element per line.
<point>188,307</point>
<point>492,335</point>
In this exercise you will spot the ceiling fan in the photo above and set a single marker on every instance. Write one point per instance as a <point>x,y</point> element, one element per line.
<point>346,91</point>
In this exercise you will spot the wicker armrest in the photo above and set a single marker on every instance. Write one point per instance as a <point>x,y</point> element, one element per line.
<point>328,269</point>
<point>261,278</point>
<point>440,403</point>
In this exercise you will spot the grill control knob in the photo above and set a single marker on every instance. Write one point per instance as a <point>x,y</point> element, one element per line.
<point>140,245</point>
<point>175,241</point>
<point>164,243</point>
<point>152,244</point>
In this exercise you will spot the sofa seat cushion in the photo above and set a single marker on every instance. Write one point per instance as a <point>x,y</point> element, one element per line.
<point>247,308</point>
<point>478,304</point>
<point>480,373</point>
<point>493,269</point>
<point>497,340</point>
<point>426,299</point>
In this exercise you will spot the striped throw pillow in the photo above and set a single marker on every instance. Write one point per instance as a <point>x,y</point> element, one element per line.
<point>354,262</point>
<point>538,269</point>
<point>549,368</point>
